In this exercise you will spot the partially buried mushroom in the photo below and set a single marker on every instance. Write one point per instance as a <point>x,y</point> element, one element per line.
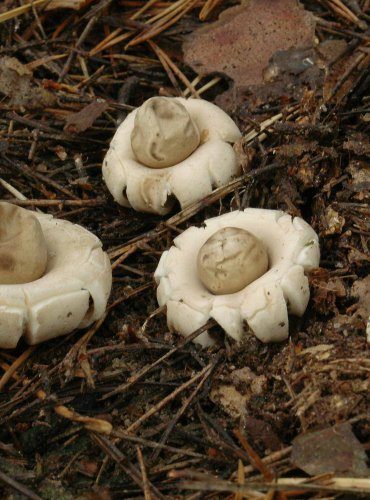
<point>54,276</point>
<point>240,268</point>
<point>170,149</point>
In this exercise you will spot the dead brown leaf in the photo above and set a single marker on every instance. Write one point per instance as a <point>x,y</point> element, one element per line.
<point>244,40</point>
<point>81,121</point>
<point>16,83</point>
<point>361,290</point>
<point>245,37</point>
<point>333,450</point>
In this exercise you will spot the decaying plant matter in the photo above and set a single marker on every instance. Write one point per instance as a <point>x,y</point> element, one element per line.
<point>125,408</point>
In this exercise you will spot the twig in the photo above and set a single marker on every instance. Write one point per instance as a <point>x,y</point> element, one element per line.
<point>144,475</point>
<point>162,25</point>
<point>57,203</point>
<point>123,463</point>
<point>154,409</point>
<point>15,365</point>
<point>23,490</point>
<point>146,369</point>
<point>183,408</point>
<point>11,14</point>
<point>164,58</point>
<point>79,42</point>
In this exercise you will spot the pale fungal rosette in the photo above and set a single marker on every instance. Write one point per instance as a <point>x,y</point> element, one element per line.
<point>170,149</point>
<point>70,292</point>
<point>263,299</point>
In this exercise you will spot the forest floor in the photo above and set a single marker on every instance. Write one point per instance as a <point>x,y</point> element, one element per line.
<point>126,409</point>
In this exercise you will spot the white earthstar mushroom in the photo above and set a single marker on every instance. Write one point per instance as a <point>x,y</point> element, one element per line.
<point>292,248</point>
<point>168,149</point>
<point>71,293</point>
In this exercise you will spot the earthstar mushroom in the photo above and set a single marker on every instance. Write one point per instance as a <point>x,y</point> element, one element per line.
<point>292,249</point>
<point>170,149</point>
<point>71,293</point>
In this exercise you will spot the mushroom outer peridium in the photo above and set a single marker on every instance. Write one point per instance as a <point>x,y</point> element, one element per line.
<point>164,133</point>
<point>155,190</point>
<point>72,293</point>
<point>230,260</point>
<point>23,250</point>
<point>292,247</point>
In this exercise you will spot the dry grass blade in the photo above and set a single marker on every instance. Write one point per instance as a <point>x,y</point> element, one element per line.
<point>193,480</point>
<point>144,475</point>
<point>79,42</point>
<point>125,436</point>
<point>146,369</point>
<point>165,59</point>
<point>123,463</point>
<point>20,488</point>
<point>90,423</point>
<point>342,10</point>
<point>357,485</point>
<point>101,45</point>
<point>267,460</point>
<point>143,9</point>
<point>57,203</point>
<point>184,407</point>
<point>207,9</point>
<point>257,462</point>
<point>43,60</point>
<point>12,190</point>
<point>130,294</point>
<point>15,365</point>
<point>162,25</point>
<point>241,479</point>
<point>152,411</point>
<point>254,458</point>
<point>209,85</point>
<point>78,353</point>
<point>193,209</point>
<point>11,14</point>
<point>110,41</point>
<point>171,10</point>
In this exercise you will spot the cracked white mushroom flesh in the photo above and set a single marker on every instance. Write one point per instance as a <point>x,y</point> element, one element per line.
<point>170,149</point>
<point>284,249</point>
<point>71,292</point>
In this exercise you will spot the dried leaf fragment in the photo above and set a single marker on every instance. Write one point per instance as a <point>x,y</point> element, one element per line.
<point>82,120</point>
<point>361,290</point>
<point>241,43</point>
<point>16,83</point>
<point>333,450</point>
